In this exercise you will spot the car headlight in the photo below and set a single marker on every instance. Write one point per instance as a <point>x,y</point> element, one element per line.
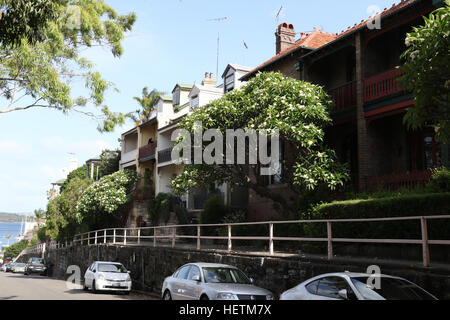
<point>226,296</point>
<point>101,277</point>
<point>128,277</point>
<point>269,297</point>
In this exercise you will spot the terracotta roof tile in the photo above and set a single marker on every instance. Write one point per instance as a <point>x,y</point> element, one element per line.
<point>318,39</point>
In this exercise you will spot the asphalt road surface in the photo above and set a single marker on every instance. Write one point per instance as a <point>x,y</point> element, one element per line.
<point>35,287</point>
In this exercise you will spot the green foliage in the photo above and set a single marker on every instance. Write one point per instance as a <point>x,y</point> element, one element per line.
<point>45,71</point>
<point>109,163</point>
<point>15,249</point>
<point>440,181</point>
<point>104,197</point>
<point>79,173</point>
<point>63,220</point>
<point>270,101</point>
<point>214,210</point>
<point>147,105</point>
<point>159,210</point>
<point>395,206</point>
<point>427,72</point>
<point>25,19</point>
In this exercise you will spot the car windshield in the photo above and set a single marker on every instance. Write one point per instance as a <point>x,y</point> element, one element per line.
<point>111,267</point>
<point>225,275</point>
<point>19,265</point>
<point>37,261</point>
<point>390,289</point>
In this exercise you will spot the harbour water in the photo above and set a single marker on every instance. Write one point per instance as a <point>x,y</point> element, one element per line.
<point>12,229</point>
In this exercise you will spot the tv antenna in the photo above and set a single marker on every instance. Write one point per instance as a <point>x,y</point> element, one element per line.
<point>218,41</point>
<point>278,15</point>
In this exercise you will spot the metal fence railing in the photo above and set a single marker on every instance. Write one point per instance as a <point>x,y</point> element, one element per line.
<point>171,235</point>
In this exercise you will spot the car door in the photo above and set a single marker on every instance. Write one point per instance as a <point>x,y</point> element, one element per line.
<point>191,285</point>
<point>178,288</point>
<point>89,275</point>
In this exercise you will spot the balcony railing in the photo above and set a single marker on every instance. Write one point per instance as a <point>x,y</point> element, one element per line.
<point>147,152</point>
<point>165,155</point>
<point>344,96</point>
<point>397,181</point>
<point>382,85</point>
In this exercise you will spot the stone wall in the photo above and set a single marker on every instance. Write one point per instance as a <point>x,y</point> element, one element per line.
<point>149,266</point>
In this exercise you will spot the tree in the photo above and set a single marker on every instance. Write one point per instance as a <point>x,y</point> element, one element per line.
<point>100,202</point>
<point>79,173</point>
<point>24,19</point>
<point>427,73</point>
<point>41,74</point>
<point>15,249</point>
<point>63,220</point>
<point>109,162</point>
<point>39,215</point>
<point>270,101</point>
<point>147,103</point>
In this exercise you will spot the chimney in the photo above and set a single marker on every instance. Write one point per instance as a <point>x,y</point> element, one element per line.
<point>285,37</point>
<point>209,80</point>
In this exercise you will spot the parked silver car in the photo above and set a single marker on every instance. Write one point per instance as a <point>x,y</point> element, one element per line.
<point>19,268</point>
<point>107,276</point>
<point>356,286</point>
<point>204,281</point>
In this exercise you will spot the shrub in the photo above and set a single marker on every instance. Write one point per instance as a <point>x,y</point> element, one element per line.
<point>214,210</point>
<point>159,210</point>
<point>440,181</point>
<point>399,206</point>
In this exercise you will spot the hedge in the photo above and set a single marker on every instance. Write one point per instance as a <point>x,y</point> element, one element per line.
<point>399,206</point>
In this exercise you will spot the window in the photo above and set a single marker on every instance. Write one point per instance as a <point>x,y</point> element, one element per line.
<point>183,273</point>
<point>312,287</point>
<point>426,152</point>
<point>176,97</point>
<point>229,82</point>
<point>194,102</point>
<point>112,268</point>
<point>330,287</point>
<point>194,273</point>
<point>225,275</point>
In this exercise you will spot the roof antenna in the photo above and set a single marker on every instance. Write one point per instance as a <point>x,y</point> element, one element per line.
<point>218,40</point>
<point>278,15</point>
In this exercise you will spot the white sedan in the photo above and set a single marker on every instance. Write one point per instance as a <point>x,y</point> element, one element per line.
<point>107,276</point>
<point>356,286</point>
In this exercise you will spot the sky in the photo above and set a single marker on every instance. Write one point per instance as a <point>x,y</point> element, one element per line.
<point>173,41</point>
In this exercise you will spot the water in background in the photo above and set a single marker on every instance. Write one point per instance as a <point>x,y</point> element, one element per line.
<point>12,229</point>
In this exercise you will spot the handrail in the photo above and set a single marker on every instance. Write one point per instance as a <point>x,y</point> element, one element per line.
<point>133,236</point>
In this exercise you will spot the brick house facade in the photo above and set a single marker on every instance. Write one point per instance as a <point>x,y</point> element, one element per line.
<point>358,69</point>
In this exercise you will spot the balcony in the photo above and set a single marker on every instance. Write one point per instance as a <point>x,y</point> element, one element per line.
<point>344,96</point>
<point>128,157</point>
<point>382,85</point>
<point>398,181</point>
<point>148,152</point>
<point>165,155</point>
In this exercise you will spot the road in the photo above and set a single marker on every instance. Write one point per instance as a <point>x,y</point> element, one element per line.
<point>20,287</point>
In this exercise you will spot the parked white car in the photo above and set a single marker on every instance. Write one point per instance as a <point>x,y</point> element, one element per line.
<point>356,286</point>
<point>107,276</point>
<point>19,268</point>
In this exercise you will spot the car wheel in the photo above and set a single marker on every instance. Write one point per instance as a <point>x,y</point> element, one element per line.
<point>94,289</point>
<point>127,293</point>
<point>85,288</point>
<point>204,298</point>
<point>167,295</point>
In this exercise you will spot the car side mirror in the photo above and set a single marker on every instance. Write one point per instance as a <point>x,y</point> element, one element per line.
<point>343,294</point>
<point>196,278</point>
<point>129,272</point>
<point>252,281</point>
